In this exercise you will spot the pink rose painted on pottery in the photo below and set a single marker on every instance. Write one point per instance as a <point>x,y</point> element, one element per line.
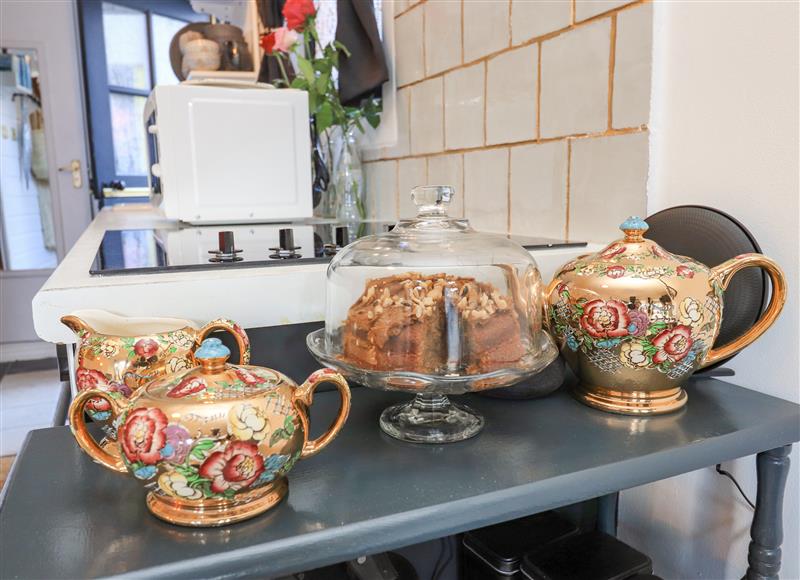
<point>673,344</point>
<point>247,377</point>
<point>613,250</point>
<point>146,347</point>
<point>605,319</point>
<point>188,386</point>
<point>238,466</point>
<point>615,271</point>
<point>684,272</point>
<point>90,379</point>
<point>143,435</point>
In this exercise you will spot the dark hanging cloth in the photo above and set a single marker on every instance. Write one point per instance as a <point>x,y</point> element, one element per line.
<point>269,12</point>
<point>362,74</point>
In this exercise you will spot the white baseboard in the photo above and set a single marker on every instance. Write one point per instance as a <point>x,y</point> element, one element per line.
<point>13,351</point>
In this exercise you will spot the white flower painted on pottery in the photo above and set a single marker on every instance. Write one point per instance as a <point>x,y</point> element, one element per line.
<point>247,422</point>
<point>176,485</point>
<point>182,339</point>
<point>108,348</point>
<point>632,354</point>
<point>691,312</point>
<point>177,364</point>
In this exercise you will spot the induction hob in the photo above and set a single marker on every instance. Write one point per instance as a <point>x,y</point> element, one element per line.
<point>201,248</point>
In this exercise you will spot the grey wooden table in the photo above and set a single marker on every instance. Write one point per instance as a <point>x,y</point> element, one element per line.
<point>64,517</point>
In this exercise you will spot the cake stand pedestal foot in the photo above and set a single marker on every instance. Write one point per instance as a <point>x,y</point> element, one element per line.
<point>431,419</point>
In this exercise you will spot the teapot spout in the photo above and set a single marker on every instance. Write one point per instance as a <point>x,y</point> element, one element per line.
<point>75,324</point>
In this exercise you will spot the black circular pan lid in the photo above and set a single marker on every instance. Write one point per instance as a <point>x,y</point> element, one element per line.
<point>711,236</point>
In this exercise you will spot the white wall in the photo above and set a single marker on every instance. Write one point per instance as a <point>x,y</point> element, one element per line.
<point>724,133</point>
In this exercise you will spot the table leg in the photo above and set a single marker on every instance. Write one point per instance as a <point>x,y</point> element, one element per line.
<point>607,508</point>
<point>764,555</point>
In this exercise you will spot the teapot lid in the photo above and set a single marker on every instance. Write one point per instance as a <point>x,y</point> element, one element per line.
<point>214,379</point>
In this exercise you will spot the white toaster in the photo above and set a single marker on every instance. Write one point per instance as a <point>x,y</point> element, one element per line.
<point>229,152</point>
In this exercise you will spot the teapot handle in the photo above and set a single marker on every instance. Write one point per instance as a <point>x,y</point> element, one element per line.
<point>229,326</point>
<point>723,273</point>
<point>305,395</point>
<point>77,423</point>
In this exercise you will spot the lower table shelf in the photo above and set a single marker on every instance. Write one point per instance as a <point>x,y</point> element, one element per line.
<point>63,516</point>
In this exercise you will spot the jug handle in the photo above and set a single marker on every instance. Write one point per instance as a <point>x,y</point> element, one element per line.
<point>77,423</point>
<point>723,273</point>
<point>229,326</point>
<point>305,394</point>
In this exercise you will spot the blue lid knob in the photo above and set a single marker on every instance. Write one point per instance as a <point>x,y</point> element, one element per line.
<point>634,223</point>
<point>212,348</point>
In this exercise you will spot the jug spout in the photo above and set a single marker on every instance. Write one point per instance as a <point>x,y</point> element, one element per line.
<point>76,325</point>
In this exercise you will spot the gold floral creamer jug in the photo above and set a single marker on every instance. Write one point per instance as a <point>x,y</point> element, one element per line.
<point>118,354</point>
<point>635,321</point>
<point>212,444</point>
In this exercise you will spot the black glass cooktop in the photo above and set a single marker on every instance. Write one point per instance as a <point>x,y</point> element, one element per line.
<point>196,248</point>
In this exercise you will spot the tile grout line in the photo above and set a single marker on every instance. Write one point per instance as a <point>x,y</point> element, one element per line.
<point>569,172</point>
<point>539,94</point>
<point>485,100</point>
<point>612,57</point>
<point>529,41</point>
<point>508,190</point>
<point>575,136</point>
<point>462,33</point>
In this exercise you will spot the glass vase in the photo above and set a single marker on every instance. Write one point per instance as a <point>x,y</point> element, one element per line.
<point>348,178</point>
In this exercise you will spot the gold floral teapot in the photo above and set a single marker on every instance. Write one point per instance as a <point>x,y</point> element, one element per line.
<point>635,321</point>
<point>118,354</point>
<point>214,443</point>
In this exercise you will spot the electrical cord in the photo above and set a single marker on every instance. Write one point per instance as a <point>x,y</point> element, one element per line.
<point>445,556</point>
<point>736,483</point>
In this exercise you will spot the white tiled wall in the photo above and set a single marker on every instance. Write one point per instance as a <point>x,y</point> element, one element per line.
<point>536,111</point>
<point>511,96</point>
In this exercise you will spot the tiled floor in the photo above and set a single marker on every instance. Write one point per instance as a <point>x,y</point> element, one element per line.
<point>27,401</point>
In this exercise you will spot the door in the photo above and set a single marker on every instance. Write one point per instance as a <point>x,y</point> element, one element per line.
<point>126,51</point>
<point>45,203</point>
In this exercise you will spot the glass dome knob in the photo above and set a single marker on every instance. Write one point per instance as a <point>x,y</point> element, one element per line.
<point>432,199</point>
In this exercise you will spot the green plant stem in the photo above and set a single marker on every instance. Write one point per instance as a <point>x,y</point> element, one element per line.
<point>279,57</point>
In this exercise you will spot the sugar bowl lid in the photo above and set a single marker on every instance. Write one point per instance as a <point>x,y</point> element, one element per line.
<point>214,379</point>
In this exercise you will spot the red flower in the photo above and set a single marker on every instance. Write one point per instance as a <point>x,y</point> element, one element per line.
<point>605,319</point>
<point>612,250</point>
<point>97,405</point>
<point>615,271</point>
<point>296,12</point>
<point>188,386</point>
<point>684,272</point>
<point>143,435</point>
<point>146,347</point>
<point>247,377</point>
<point>90,379</point>
<point>236,467</point>
<point>673,344</point>
<point>267,42</point>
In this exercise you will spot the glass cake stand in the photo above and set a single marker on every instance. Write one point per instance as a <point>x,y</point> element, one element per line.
<point>431,417</point>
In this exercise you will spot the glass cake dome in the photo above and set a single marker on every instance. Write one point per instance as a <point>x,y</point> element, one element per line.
<point>433,308</point>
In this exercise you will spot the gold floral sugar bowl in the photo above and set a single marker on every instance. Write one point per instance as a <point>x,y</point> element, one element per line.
<point>212,444</point>
<point>635,321</point>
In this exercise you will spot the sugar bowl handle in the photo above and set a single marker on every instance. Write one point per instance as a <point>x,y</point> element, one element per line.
<point>77,423</point>
<point>304,394</point>
<point>229,326</point>
<point>723,273</point>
